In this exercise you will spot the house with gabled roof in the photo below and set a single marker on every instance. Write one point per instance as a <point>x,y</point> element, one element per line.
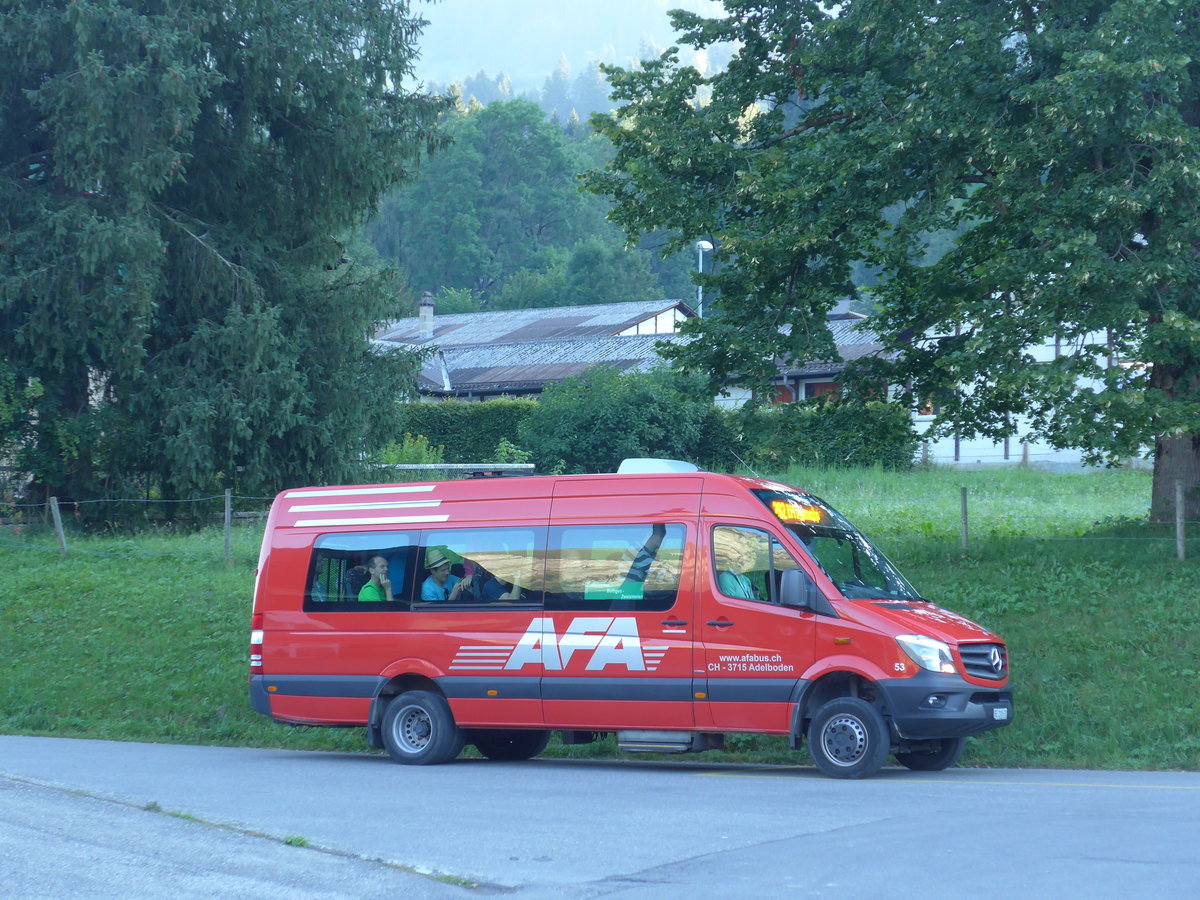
<point>517,352</point>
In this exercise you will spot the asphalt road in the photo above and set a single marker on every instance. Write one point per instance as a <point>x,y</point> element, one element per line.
<point>101,819</point>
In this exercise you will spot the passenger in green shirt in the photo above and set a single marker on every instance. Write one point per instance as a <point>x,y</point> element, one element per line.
<point>736,584</point>
<point>380,586</point>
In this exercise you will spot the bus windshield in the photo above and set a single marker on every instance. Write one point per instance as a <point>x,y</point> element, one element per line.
<point>855,566</point>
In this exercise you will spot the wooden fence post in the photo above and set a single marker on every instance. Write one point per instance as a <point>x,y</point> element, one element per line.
<point>228,522</point>
<point>58,528</point>
<point>1179,542</point>
<point>964,520</point>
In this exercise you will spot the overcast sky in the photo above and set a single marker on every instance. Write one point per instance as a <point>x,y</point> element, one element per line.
<point>523,38</point>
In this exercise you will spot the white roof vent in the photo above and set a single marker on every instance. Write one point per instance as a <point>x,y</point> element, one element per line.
<point>649,466</point>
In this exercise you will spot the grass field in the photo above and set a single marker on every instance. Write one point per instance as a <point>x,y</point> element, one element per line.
<point>146,638</point>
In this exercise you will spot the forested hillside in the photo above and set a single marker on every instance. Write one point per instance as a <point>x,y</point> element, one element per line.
<point>497,220</point>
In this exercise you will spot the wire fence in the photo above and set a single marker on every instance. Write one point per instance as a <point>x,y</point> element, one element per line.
<point>76,526</point>
<point>1180,526</point>
<point>72,523</point>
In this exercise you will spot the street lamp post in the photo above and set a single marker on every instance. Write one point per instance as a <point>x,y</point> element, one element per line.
<point>701,247</point>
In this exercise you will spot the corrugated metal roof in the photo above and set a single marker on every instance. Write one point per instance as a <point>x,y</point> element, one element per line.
<point>846,330</point>
<point>854,340</point>
<point>524,349</point>
<point>586,350</point>
<point>515,325</point>
<point>530,365</point>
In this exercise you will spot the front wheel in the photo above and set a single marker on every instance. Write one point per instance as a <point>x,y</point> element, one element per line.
<point>848,738</point>
<point>418,729</point>
<point>510,745</point>
<point>941,754</point>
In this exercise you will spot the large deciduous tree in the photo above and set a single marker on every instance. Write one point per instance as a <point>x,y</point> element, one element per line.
<point>1061,139</point>
<point>177,305</point>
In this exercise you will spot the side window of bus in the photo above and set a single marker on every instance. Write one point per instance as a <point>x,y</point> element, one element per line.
<point>748,563</point>
<point>783,561</point>
<point>362,572</point>
<point>614,567</point>
<point>741,562</point>
<point>472,567</point>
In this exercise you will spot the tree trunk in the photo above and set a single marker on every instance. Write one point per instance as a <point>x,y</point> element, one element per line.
<point>1176,459</point>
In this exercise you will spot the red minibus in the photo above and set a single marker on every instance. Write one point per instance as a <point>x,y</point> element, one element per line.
<point>664,604</point>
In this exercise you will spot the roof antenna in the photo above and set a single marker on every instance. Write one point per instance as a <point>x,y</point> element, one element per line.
<point>745,465</point>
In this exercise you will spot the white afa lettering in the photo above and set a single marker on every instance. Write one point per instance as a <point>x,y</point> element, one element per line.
<point>584,633</point>
<point>531,647</point>
<point>620,646</point>
<point>613,641</point>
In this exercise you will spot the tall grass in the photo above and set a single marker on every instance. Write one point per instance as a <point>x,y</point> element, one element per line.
<point>146,638</point>
<point>1000,501</point>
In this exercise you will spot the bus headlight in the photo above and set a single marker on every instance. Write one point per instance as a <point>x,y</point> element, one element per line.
<point>927,652</point>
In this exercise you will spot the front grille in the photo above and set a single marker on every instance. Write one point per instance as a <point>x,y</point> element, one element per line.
<point>978,660</point>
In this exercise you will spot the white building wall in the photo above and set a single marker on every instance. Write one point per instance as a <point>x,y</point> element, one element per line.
<point>734,398</point>
<point>983,451</point>
<point>664,323</point>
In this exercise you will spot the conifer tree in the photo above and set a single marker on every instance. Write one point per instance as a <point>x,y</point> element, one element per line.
<point>501,195</point>
<point>179,308</point>
<point>556,91</point>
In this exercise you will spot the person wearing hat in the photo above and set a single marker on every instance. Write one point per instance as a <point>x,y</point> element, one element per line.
<point>440,586</point>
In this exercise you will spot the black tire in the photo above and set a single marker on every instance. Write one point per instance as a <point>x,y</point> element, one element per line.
<point>510,745</point>
<point>418,729</point>
<point>848,738</point>
<point>942,754</point>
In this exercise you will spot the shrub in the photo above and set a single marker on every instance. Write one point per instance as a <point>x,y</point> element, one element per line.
<point>413,450</point>
<point>833,433</point>
<point>467,432</point>
<point>591,422</point>
<point>508,452</point>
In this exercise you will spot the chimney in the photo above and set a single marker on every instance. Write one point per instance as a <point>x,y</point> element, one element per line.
<point>426,316</point>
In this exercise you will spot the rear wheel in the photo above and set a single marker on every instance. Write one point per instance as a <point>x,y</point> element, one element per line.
<point>510,745</point>
<point>848,738</point>
<point>418,729</point>
<point>938,755</point>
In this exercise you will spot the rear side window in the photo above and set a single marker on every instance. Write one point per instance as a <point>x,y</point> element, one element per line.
<point>614,567</point>
<point>480,567</point>
<point>361,572</point>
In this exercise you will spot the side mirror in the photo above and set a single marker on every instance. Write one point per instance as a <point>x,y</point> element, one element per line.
<point>798,591</point>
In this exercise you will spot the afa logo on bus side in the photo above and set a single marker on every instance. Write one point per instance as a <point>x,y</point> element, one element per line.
<point>603,640</point>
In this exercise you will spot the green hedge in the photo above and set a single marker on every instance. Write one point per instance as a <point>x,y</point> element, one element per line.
<point>591,423</point>
<point>468,432</point>
<point>828,434</point>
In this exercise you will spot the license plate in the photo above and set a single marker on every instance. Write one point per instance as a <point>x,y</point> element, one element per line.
<point>1000,713</point>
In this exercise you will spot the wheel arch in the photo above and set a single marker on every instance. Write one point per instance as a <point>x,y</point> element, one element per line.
<point>394,687</point>
<point>829,686</point>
